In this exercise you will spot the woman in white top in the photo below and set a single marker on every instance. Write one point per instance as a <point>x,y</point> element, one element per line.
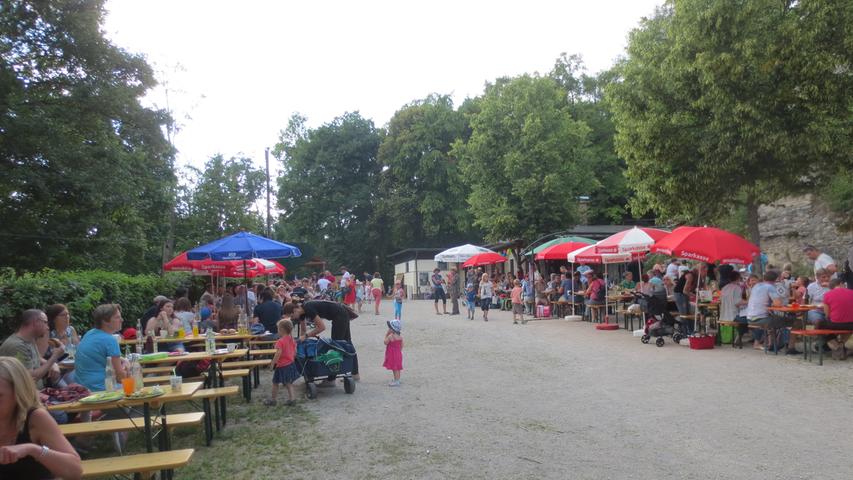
<point>487,289</point>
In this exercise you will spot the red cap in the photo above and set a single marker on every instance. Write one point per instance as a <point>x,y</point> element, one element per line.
<point>129,333</point>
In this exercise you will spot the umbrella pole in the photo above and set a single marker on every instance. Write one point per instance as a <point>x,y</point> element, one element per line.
<point>573,288</point>
<point>246,287</point>
<point>606,294</point>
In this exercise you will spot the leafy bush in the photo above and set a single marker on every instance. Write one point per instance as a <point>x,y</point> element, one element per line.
<point>81,291</point>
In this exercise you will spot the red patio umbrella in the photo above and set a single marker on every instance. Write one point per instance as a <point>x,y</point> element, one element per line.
<point>707,244</point>
<point>482,259</point>
<point>559,251</point>
<point>635,239</point>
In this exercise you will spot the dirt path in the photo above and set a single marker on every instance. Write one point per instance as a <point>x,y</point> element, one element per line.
<point>554,399</point>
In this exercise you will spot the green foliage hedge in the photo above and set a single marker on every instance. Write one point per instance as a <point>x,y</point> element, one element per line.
<point>81,291</point>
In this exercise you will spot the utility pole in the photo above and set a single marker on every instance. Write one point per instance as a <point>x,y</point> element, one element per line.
<point>267,158</point>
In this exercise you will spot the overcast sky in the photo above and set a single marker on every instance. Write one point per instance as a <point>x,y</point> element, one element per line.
<point>236,71</point>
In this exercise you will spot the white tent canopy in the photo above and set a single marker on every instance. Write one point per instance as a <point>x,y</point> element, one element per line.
<point>460,254</point>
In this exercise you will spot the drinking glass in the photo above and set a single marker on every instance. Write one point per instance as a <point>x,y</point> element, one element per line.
<point>128,384</point>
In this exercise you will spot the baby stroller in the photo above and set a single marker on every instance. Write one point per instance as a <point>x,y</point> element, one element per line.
<point>325,358</point>
<point>659,322</point>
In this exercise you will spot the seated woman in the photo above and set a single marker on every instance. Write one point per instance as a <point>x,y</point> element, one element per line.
<point>31,444</point>
<point>229,314</point>
<point>595,293</point>
<point>838,309</point>
<point>99,347</point>
<point>59,322</point>
<point>184,313</point>
<point>541,292</point>
<point>628,282</point>
<point>165,322</point>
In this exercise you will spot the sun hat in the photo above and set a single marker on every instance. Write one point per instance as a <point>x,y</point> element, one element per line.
<point>394,325</point>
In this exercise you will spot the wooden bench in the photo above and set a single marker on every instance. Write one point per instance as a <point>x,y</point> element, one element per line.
<point>218,395</point>
<point>157,370</point>
<point>262,352</point>
<point>141,463</point>
<point>123,425</point>
<point>254,365</point>
<point>629,316</point>
<point>809,335</point>
<point>261,342</point>
<point>244,374</point>
<point>164,379</point>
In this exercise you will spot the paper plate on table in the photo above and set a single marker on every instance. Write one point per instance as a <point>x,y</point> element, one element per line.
<point>147,392</point>
<point>102,397</point>
<point>220,351</point>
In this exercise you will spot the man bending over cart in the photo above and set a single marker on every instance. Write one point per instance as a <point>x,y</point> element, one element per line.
<point>316,311</point>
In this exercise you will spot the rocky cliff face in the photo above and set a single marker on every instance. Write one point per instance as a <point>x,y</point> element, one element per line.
<point>790,223</point>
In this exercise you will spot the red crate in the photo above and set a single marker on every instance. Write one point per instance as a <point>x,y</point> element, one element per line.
<point>702,343</point>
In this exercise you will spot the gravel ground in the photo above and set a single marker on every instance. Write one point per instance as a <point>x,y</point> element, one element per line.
<point>554,399</point>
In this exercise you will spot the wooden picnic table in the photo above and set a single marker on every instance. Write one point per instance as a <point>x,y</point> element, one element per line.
<point>197,338</point>
<point>794,312</point>
<point>185,393</point>
<point>196,356</point>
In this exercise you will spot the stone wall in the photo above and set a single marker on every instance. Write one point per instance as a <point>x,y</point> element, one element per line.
<point>793,222</point>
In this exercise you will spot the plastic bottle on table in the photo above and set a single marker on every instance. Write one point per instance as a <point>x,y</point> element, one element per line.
<point>109,377</point>
<point>139,341</point>
<point>136,372</point>
<point>209,342</point>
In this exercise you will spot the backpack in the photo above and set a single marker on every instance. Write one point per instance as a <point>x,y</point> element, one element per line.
<point>599,294</point>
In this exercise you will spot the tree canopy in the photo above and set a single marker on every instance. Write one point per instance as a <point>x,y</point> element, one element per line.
<point>717,106</point>
<point>223,200</point>
<point>423,194</point>
<point>86,171</point>
<point>527,159</point>
<point>327,188</point>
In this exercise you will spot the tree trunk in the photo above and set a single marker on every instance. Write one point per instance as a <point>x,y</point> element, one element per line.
<point>752,228</point>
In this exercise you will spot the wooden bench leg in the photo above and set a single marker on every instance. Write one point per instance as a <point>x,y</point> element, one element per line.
<point>208,428</point>
<point>257,375</point>
<point>247,388</point>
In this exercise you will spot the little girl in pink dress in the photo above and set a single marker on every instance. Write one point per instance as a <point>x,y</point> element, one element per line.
<point>394,351</point>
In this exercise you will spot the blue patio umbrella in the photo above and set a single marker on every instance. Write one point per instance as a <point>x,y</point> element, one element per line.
<point>243,246</point>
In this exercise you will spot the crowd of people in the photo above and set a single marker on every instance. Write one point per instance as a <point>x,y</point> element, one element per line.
<point>29,358</point>
<point>34,447</point>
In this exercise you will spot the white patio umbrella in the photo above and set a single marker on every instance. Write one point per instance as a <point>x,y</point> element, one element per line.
<point>588,255</point>
<point>461,253</point>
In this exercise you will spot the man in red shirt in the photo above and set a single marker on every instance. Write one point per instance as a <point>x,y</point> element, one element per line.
<point>838,307</point>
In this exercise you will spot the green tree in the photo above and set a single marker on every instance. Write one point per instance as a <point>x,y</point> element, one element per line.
<point>85,172</point>
<point>610,196</point>
<point>719,106</point>
<point>222,201</point>
<point>423,196</point>
<point>527,159</point>
<point>327,190</point>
